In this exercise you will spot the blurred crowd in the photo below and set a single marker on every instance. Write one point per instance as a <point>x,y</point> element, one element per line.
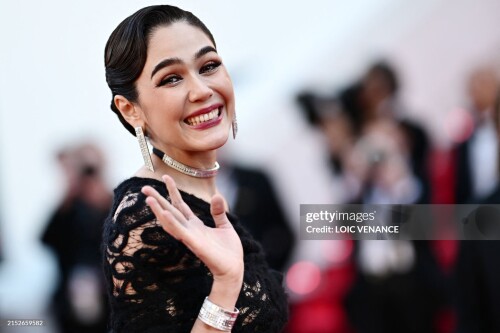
<point>378,155</point>
<point>381,156</point>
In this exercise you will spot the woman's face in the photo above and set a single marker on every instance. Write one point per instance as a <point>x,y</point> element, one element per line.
<point>186,98</point>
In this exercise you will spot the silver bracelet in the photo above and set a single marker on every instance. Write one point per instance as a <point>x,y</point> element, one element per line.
<point>217,317</point>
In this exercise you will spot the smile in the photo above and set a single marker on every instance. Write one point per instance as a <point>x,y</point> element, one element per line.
<point>203,118</point>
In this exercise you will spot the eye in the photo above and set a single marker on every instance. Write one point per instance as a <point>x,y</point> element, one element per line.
<point>170,80</point>
<point>210,67</point>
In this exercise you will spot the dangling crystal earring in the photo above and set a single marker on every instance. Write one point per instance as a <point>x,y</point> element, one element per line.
<point>235,125</point>
<point>144,148</point>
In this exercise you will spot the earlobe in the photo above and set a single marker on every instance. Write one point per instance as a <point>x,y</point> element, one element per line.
<point>128,110</point>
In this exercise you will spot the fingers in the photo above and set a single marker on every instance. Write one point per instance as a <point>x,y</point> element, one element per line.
<point>167,220</point>
<point>151,192</point>
<point>163,203</point>
<point>176,197</point>
<point>218,212</point>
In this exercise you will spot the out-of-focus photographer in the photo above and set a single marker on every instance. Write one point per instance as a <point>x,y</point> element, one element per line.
<point>378,165</point>
<point>329,116</point>
<point>364,126</point>
<point>381,158</point>
<point>73,233</point>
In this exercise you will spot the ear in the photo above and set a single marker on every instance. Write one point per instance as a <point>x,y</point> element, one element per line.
<point>129,111</point>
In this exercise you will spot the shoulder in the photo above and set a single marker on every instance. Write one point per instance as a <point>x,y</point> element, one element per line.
<point>129,200</point>
<point>134,185</point>
<point>131,224</point>
<point>131,188</point>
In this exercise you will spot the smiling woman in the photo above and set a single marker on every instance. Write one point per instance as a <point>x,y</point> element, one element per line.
<point>175,259</point>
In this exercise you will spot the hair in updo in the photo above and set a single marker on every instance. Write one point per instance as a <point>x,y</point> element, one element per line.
<point>126,49</point>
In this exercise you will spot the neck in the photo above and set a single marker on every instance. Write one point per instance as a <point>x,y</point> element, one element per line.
<point>203,188</point>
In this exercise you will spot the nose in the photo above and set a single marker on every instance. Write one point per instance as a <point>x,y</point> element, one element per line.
<point>199,90</point>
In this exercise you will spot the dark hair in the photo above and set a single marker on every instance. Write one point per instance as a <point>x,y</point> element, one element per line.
<point>126,49</point>
<point>387,73</point>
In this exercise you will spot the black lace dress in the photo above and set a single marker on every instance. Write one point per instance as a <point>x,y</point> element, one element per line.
<point>156,284</point>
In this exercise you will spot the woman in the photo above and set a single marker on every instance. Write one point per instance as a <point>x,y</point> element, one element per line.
<point>175,260</point>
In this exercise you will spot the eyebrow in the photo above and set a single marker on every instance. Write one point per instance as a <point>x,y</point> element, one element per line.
<point>174,61</point>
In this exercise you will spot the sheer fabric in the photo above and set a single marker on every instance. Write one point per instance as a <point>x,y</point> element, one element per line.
<point>156,284</point>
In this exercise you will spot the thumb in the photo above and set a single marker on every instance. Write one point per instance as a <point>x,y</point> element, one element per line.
<point>218,212</point>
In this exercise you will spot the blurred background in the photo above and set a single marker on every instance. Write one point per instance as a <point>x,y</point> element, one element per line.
<point>338,102</point>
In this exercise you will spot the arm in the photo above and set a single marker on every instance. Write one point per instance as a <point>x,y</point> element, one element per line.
<point>218,248</point>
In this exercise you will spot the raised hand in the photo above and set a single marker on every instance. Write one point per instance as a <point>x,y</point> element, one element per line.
<point>218,248</point>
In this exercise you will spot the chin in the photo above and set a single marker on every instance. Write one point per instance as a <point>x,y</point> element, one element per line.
<point>219,143</point>
<point>213,141</point>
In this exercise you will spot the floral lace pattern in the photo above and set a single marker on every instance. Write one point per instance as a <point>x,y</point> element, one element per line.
<point>156,284</point>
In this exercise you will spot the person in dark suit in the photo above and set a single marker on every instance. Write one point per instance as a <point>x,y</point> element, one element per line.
<point>252,196</point>
<point>477,273</point>
<point>475,156</point>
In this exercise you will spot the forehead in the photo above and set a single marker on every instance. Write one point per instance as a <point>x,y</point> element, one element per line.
<point>178,40</point>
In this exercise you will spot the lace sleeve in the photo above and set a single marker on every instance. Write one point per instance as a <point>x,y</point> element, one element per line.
<point>154,282</point>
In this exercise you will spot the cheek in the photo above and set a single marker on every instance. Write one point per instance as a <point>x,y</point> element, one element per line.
<point>227,91</point>
<point>224,85</point>
<point>165,106</point>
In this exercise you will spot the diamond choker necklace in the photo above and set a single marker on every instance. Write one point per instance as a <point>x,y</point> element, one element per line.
<point>187,170</point>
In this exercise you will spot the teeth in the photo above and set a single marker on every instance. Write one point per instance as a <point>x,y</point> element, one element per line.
<point>203,118</point>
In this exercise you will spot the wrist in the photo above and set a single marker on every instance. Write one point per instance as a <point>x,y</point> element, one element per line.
<point>225,291</point>
<point>233,277</point>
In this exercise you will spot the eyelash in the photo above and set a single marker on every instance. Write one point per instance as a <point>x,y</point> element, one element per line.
<point>168,80</point>
<point>208,68</point>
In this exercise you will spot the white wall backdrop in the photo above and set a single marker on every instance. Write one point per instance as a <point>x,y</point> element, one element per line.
<point>53,91</point>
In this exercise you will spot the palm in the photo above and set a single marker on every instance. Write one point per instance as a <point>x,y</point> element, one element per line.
<point>219,248</point>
